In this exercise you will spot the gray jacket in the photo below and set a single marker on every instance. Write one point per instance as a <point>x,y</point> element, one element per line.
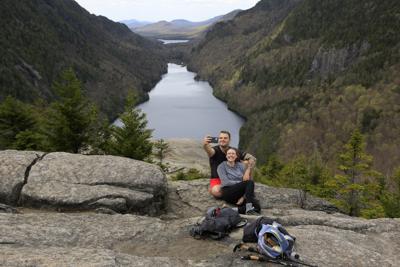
<point>230,175</point>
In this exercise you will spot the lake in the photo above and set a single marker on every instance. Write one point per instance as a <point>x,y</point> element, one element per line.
<point>181,107</point>
<point>165,41</point>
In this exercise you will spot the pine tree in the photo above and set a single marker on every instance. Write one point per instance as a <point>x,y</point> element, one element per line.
<point>162,148</point>
<point>356,187</point>
<point>391,197</point>
<point>132,139</point>
<point>68,123</point>
<point>16,121</point>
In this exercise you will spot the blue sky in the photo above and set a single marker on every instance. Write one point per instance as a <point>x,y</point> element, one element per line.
<point>155,10</point>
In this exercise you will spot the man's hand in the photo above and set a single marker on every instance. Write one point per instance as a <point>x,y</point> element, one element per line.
<point>207,140</point>
<point>247,175</point>
<point>207,147</point>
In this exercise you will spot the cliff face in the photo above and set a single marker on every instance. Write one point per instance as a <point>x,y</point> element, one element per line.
<point>305,73</point>
<point>40,38</point>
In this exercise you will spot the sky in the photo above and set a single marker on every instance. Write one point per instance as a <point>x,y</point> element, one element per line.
<point>156,10</point>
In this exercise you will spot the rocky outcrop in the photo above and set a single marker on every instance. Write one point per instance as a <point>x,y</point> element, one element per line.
<point>331,61</point>
<point>191,198</point>
<point>39,237</point>
<point>79,182</point>
<point>130,240</point>
<point>14,170</point>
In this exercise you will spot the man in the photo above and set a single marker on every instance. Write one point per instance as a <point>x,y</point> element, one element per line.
<point>217,155</point>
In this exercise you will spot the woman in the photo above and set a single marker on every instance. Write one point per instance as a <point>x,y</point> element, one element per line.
<point>234,188</point>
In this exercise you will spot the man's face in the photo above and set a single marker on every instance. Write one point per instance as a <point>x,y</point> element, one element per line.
<point>223,139</point>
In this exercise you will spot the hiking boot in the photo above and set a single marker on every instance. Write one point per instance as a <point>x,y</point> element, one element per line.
<point>252,212</point>
<point>250,209</point>
<point>256,205</point>
<point>242,209</point>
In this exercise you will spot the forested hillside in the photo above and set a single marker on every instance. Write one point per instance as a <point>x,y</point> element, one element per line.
<point>40,38</point>
<point>307,73</point>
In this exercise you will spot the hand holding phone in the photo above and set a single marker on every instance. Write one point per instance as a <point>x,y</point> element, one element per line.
<point>213,140</point>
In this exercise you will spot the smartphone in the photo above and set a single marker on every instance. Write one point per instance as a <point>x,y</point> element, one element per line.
<point>214,140</point>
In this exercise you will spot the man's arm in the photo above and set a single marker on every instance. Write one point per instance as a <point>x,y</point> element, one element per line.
<point>251,160</point>
<point>207,147</point>
<point>250,163</point>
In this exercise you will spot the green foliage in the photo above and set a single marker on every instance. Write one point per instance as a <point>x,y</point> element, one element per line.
<point>161,149</point>
<point>17,123</point>
<point>132,139</point>
<point>358,190</point>
<point>69,122</point>
<point>191,174</point>
<point>306,174</point>
<point>305,72</point>
<point>356,187</point>
<point>269,173</point>
<point>40,38</point>
<point>391,197</point>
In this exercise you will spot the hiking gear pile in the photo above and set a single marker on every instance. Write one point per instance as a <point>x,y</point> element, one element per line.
<point>274,243</point>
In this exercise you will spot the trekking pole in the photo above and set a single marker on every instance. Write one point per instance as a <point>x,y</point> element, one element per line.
<point>266,259</point>
<point>302,263</point>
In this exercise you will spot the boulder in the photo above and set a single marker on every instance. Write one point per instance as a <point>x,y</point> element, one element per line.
<point>73,181</point>
<point>191,198</point>
<point>14,170</point>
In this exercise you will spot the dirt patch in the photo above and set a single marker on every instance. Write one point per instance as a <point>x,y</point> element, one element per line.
<point>187,153</point>
<point>181,248</point>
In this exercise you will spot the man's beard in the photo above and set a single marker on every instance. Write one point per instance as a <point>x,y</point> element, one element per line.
<point>225,146</point>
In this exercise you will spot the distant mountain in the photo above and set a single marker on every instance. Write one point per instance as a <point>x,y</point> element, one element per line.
<point>180,29</point>
<point>133,23</point>
<point>40,38</point>
<point>306,73</point>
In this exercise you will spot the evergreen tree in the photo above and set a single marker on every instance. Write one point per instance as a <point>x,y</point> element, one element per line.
<point>356,187</point>
<point>296,174</point>
<point>132,139</point>
<point>69,121</point>
<point>391,198</point>
<point>16,122</point>
<point>162,148</point>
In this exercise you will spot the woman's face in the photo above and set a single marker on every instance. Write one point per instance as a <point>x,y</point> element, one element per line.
<point>231,155</point>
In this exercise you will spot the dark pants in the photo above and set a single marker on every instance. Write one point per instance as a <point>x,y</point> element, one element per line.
<point>232,193</point>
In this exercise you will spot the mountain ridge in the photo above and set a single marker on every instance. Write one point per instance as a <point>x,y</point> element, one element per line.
<point>41,38</point>
<point>305,75</point>
<point>180,28</point>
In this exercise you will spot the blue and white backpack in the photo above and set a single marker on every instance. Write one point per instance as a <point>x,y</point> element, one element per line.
<point>274,241</point>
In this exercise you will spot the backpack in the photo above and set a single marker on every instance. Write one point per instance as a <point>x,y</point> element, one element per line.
<point>271,237</point>
<point>250,231</point>
<point>273,243</point>
<point>218,223</point>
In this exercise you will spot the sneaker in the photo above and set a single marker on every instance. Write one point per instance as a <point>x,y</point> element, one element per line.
<point>242,209</point>
<point>256,205</point>
<point>249,207</point>
<point>252,212</point>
